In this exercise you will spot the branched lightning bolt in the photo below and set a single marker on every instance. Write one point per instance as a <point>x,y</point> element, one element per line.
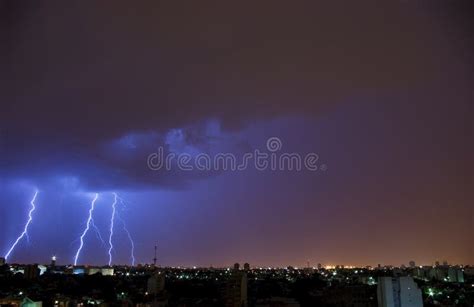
<point>112,219</point>
<point>25,230</point>
<point>88,224</point>
<point>132,244</point>
<point>97,232</point>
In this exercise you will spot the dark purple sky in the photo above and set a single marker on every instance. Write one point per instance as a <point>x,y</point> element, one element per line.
<point>381,92</point>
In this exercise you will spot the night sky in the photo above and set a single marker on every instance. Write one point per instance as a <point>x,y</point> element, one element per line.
<point>382,92</point>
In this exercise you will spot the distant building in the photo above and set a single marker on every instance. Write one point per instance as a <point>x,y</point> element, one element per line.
<point>455,275</point>
<point>77,270</point>
<point>412,264</point>
<point>30,303</point>
<point>246,267</point>
<point>107,271</point>
<point>320,266</point>
<point>398,292</point>
<point>367,280</point>
<point>2,261</point>
<point>25,302</point>
<point>445,273</point>
<point>236,289</point>
<point>42,269</point>
<point>93,270</point>
<point>31,271</point>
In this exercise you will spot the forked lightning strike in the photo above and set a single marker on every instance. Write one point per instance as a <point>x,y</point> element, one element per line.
<point>88,225</point>
<point>97,232</point>
<point>25,230</point>
<point>132,244</point>
<point>112,220</point>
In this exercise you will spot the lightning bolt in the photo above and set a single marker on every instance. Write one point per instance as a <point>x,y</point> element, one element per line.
<point>88,224</point>
<point>97,232</point>
<point>25,230</point>
<point>112,228</point>
<point>132,244</point>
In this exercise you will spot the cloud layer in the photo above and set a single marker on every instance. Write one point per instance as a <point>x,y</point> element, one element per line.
<point>76,78</point>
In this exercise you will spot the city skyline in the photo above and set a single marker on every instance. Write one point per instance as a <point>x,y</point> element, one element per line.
<point>271,134</point>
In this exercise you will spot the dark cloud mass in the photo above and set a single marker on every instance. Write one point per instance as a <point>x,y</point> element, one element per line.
<point>76,76</point>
